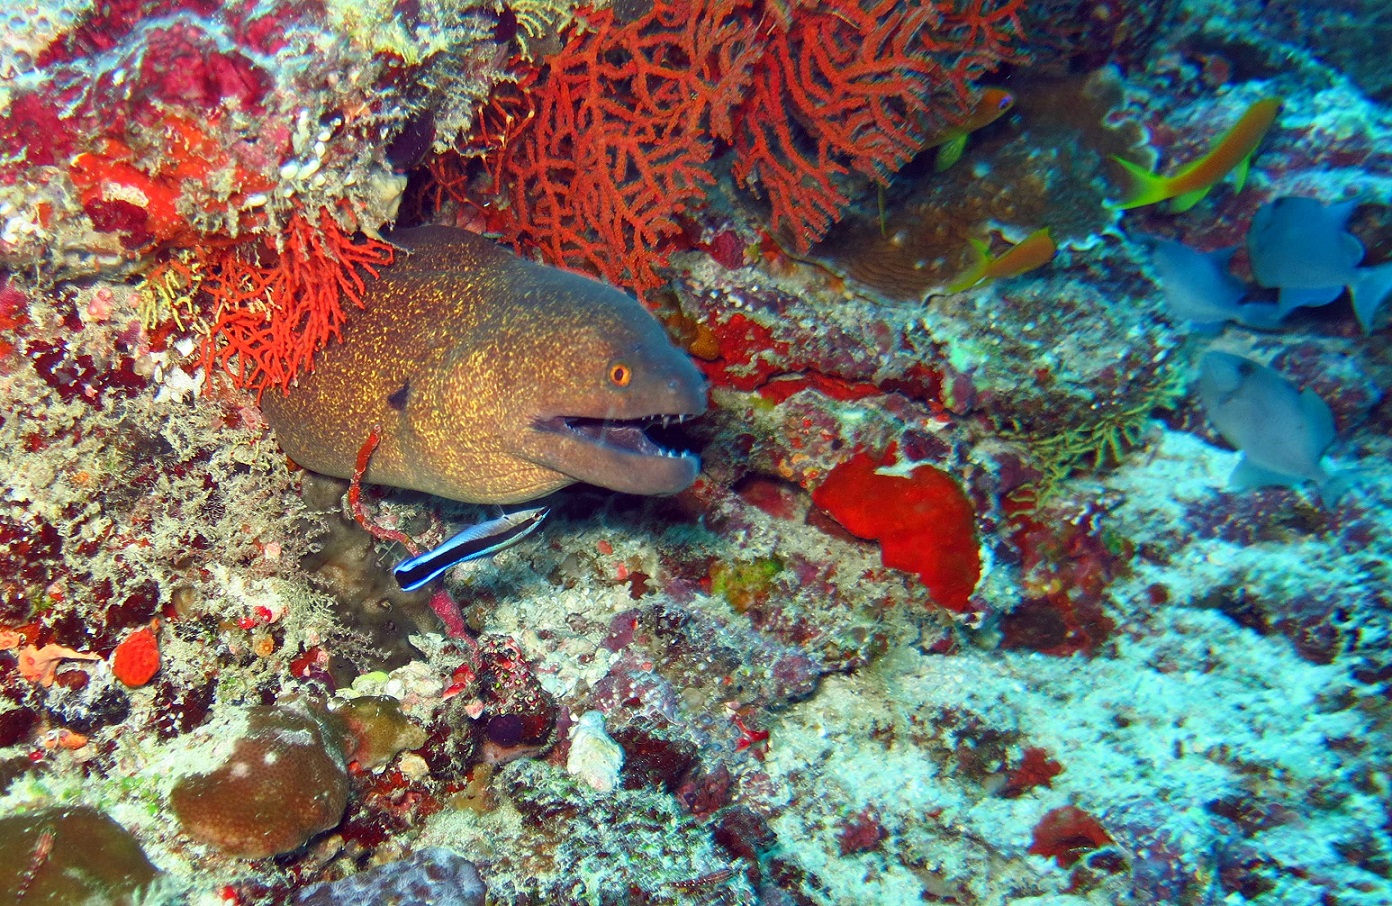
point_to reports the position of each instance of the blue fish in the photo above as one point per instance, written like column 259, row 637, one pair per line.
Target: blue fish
column 1302, row 248
column 482, row 540
column 1199, row 288
column 1280, row 431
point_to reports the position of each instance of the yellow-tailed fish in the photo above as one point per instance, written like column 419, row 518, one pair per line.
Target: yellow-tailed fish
column 991, row 105
column 1035, row 250
column 1231, row 154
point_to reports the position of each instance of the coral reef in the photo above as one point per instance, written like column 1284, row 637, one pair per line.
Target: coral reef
column 1339, row 34
column 961, row 607
column 148, row 122
column 581, row 845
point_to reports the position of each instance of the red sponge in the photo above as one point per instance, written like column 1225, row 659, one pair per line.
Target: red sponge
column 924, row 522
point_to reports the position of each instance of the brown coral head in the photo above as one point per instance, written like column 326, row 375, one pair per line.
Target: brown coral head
column 283, row 782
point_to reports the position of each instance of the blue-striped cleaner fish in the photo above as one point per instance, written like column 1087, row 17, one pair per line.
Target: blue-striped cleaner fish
column 475, row 542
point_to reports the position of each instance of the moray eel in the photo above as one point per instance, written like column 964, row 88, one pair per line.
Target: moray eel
column 494, row 380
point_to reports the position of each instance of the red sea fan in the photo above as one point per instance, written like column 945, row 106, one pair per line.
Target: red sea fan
column 603, row 154
column 269, row 319
column 858, row 87
column 600, row 154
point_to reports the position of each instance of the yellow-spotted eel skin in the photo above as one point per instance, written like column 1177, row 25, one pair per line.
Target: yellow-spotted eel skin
column 494, row 380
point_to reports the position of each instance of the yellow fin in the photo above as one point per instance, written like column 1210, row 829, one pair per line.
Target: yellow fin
column 1184, row 202
column 981, row 260
column 1147, row 187
column 949, row 152
column 1240, row 174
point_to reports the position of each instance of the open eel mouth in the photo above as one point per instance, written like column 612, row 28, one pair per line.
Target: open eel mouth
column 617, row 453
column 617, row 435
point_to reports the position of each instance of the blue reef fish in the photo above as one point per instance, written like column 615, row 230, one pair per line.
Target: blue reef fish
column 1302, row 248
column 1280, row 431
column 482, row 540
column 1199, row 288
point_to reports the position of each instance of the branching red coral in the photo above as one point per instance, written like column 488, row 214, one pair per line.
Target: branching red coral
column 611, row 146
column 863, row 84
column 600, row 155
column 269, row 319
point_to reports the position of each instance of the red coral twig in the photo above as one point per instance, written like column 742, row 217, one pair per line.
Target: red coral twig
column 355, row 504
column 270, row 319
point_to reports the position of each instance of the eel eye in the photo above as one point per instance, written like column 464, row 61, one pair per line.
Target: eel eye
column 620, row 374
column 1006, row 102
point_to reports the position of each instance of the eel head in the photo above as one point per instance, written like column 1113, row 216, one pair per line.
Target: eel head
column 574, row 380
column 600, row 434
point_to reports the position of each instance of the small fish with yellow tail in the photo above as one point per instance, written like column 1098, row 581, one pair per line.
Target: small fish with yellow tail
column 991, row 105
column 1190, row 183
column 1035, row 250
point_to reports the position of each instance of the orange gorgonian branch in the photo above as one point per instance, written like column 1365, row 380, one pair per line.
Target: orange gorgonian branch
column 273, row 309
column 596, row 158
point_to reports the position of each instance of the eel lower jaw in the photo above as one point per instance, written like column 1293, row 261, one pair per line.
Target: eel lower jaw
column 618, row 453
